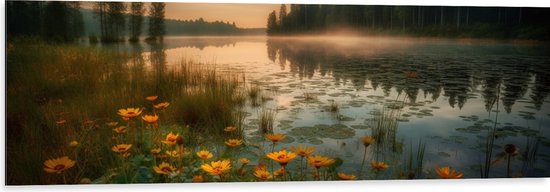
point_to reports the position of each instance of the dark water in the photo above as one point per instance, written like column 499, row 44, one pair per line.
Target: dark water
column 450, row 96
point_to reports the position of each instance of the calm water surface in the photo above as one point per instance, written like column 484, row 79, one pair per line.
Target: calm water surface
column 447, row 95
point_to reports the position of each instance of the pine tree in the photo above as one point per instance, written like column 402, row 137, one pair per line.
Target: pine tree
column 272, row 23
column 136, row 21
column 156, row 22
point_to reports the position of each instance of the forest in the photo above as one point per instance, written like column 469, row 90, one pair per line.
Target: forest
column 57, row 21
column 444, row 21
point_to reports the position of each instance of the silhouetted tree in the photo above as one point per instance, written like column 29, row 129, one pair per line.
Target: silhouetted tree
column 156, row 22
column 272, row 23
column 116, row 21
column 136, row 20
column 282, row 18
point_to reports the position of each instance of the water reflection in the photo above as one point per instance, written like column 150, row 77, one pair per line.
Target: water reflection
column 414, row 69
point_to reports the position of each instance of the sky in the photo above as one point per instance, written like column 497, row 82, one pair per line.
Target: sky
column 244, row 15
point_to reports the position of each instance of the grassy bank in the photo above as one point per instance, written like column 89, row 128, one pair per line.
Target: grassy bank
column 60, row 93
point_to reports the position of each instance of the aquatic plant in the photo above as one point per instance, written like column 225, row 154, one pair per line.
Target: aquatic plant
column 266, row 121
column 447, row 173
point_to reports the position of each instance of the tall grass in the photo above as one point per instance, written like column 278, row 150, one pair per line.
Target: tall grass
column 266, row 118
column 85, row 87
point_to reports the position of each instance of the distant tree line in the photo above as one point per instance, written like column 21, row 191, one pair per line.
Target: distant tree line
column 201, row 27
column 53, row 21
column 112, row 21
column 499, row 22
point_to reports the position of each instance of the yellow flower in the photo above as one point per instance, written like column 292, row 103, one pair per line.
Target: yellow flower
column 73, row 144
column 262, row 174
column 171, row 139
column 280, row 172
column 161, row 105
column 173, row 153
column 120, row 129
column 320, row 161
column 198, row 178
column 151, row 98
column 244, row 161
column 344, row 176
column 58, row 165
column 151, row 119
column 275, row 137
column 282, row 157
column 112, row 124
column 233, row 142
column 204, row 155
column 129, row 113
column 230, row 129
column 121, row 148
column 164, row 168
column 446, row 173
column 217, row 167
column 303, row 152
column 155, row 151
column 378, row 165
column 260, row 166
column 367, row 140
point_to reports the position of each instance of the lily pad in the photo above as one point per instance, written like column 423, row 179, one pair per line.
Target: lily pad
column 336, row 131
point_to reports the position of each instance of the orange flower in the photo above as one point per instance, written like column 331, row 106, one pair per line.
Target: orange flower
column 151, row 119
column 204, row 155
column 344, row 176
column 120, row 129
column 121, row 148
column 282, row 157
column 446, row 173
column 217, row 167
column 367, row 140
column 275, row 137
column 129, row 113
column 244, row 161
column 155, row 151
column 73, row 144
column 151, row 98
column 58, row 165
column 61, row 122
column 303, row 152
column 280, row 172
column 173, row 153
column 171, row 139
column 378, row 165
column 260, row 166
column 320, row 161
column 161, row 105
column 198, row 178
column 262, row 174
column 164, row 169
column 230, row 129
column 233, row 142
column 112, row 124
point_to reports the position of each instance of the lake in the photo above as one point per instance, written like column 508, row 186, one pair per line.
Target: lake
column 429, row 102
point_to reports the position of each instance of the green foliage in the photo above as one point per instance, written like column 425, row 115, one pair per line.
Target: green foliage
column 136, row 20
column 156, row 21
column 477, row 22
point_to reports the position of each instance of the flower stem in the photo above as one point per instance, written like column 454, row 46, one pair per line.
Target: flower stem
column 301, row 169
column 64, row 178
column 363, row 163
column 508, row 167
